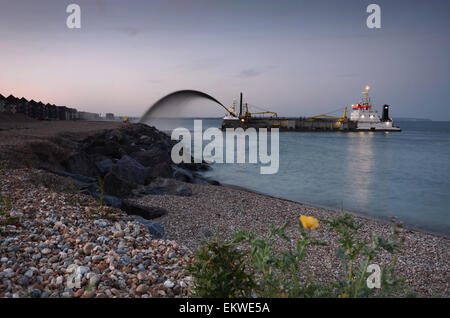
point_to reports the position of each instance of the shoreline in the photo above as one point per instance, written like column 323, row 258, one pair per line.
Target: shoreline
column 363, row 215
column 221, row 210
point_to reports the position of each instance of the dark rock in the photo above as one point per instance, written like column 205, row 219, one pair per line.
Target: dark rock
column 112, row 201
column 77, row 177
column 156, row 229
column 35, row 293
column 161, row 170
column 194, row 166
column 152, row 157
column 107, row 149
column 183, row 175
column 23, row 281
column 164, row 186
column 104, row 166
column 130, row 170
column 81, row 164
column 213, row 182
column 146, row 212
column 109, row 200
column 114, row 185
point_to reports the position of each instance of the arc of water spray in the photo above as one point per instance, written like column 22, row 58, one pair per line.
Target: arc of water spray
column 183, row 94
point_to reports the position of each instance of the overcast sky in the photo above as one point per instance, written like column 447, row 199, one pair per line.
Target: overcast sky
column 293, row 57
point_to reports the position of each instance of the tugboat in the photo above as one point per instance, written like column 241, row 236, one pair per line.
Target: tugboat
column 367, row 119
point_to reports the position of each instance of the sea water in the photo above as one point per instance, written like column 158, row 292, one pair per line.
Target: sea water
column 404, row 174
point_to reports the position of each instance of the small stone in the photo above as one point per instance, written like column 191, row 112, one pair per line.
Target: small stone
column 168, row 284
column 35, row 293
column 87, row 249
column 66, row 294
column 97, row 259
column 142, row 288
column 46, row 251
column 83, row 269
column 59, row 281
column 88, row 294
column 29, row 273
column 141, row 276
column 94, row 280
column 24, row 281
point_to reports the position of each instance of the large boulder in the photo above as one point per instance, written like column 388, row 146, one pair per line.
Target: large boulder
column 152, row 157
column 145, row 212
column 115, row 185
column 161, row 170
column 81, row 164
column 105, row 148
column 104, row 166
column 130, row 170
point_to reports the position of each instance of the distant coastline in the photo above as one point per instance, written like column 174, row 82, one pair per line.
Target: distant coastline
column 412, row 119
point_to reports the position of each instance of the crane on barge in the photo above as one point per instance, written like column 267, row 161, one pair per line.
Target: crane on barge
column 343, row 118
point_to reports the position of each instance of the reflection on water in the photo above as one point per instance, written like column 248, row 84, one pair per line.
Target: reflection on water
column 360, row 166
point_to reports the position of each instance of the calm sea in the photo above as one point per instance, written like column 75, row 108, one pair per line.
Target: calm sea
column 405, row 174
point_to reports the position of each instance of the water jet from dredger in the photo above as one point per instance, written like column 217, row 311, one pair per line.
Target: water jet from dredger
column 173, row 103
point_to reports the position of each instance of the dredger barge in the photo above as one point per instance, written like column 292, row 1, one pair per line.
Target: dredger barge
column 362, row 118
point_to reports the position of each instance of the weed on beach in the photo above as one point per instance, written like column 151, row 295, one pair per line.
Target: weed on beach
column 249, row 265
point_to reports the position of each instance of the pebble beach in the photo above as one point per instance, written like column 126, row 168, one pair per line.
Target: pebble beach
column 49, row 231
column 45, row 235
column 424, row 261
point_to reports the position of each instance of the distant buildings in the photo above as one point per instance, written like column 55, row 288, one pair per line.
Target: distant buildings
column 39, row 110
column 109, row 116
column 88, row 116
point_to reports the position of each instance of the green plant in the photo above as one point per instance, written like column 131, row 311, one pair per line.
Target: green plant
column 5, row 204
column 3, row 164
column 224, row 270
column 11, row 221
column 101, row 189
column 277, row 272
column 220, row 270
column 351, row 248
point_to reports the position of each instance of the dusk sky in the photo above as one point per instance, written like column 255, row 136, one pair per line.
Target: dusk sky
column 297, row 58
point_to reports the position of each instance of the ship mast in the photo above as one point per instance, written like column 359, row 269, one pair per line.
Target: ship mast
column 367, row 95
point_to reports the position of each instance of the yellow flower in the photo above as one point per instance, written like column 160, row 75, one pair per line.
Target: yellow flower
column 309, row 222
